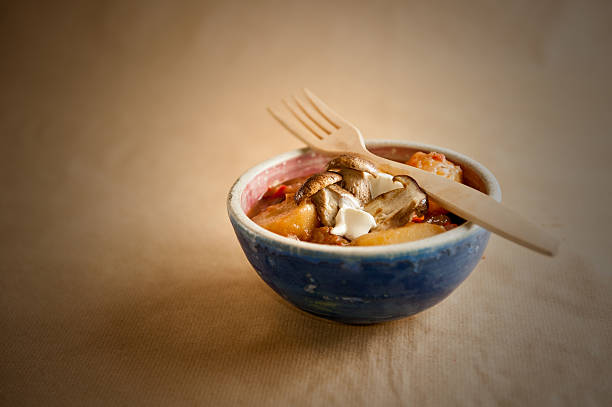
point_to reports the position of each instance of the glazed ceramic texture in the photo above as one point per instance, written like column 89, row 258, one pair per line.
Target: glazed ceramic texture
column 357, row 285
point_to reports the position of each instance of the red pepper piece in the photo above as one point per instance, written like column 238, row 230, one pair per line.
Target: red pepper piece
column 277, row 191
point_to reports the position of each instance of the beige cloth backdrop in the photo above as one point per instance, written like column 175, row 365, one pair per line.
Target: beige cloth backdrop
column 123, row 125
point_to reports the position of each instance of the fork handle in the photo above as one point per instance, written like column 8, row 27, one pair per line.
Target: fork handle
column 474, row 206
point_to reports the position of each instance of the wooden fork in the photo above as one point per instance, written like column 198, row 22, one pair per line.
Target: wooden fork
column 326, row 131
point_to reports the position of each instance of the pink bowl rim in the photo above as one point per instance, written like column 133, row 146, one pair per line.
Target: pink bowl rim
column 441, row 241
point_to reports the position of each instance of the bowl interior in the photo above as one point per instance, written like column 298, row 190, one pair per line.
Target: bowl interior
column 311, row 162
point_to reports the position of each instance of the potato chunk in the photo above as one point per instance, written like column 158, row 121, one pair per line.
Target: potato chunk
column 408, row 233
column 288, row 219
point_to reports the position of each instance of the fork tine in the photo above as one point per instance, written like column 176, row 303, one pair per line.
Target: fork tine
column 314, row 115
column 305, row 120
column 333, row 117
column 301, row 133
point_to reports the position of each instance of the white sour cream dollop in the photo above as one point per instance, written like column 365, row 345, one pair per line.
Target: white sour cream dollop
column 352, row 221
column 382, row 183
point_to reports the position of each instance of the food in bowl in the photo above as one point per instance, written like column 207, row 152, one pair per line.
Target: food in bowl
column 353, row 203
column 357, row 284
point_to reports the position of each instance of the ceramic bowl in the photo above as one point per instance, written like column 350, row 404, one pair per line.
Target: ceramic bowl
column 358, row 285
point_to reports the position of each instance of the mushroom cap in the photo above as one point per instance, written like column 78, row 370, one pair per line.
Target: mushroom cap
column 407, row 180
column 353, row 162
column 316, row 183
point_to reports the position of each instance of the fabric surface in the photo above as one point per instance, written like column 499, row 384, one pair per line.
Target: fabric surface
column 124, row 124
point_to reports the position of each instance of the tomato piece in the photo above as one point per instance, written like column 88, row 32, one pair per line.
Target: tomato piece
column 276, row 191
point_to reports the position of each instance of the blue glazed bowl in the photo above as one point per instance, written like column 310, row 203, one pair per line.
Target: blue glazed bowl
column 358, row 285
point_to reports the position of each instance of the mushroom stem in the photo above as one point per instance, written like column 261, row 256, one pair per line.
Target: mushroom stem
column 397, row 207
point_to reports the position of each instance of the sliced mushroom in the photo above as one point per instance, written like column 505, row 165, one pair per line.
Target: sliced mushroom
column 329, row 200
column 353, row 169
column 345, row 198
column 326, row 203
column 352, row 162
column 357, row 184
column 316, row 183
column 397, row 207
